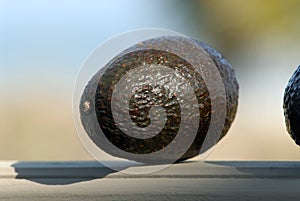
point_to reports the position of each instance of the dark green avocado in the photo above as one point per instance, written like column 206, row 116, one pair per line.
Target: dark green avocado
column 291, row 106
column 96, row 108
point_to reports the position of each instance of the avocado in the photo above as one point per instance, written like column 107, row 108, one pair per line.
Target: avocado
column 96, row 102
column 291, row 106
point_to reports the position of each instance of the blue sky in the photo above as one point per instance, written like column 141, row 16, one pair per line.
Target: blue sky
column 50, row 36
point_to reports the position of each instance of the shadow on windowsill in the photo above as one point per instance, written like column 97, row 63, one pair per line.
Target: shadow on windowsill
column 61, row 173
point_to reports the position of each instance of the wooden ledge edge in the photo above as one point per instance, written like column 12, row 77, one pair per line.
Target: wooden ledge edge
column 189, row 169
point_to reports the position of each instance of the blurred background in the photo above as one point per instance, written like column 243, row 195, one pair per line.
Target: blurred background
column 44, row 43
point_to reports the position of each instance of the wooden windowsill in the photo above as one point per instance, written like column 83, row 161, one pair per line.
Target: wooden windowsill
column 193, row 180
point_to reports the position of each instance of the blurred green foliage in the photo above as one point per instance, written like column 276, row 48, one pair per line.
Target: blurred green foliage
column 233, row 23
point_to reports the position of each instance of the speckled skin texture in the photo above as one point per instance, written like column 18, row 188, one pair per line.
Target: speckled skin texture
column 138, row 55
column 291, row 106
column 230, row 83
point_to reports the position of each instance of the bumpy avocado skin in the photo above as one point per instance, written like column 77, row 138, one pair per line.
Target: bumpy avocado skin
column 291, row 106
column 136, row 56
column 231, row 89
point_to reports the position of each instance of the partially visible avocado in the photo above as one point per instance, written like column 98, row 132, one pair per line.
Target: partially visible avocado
column 291, row 106
column 145, row 53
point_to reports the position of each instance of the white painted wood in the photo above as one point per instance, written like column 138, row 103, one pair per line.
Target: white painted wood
column 210, row 180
